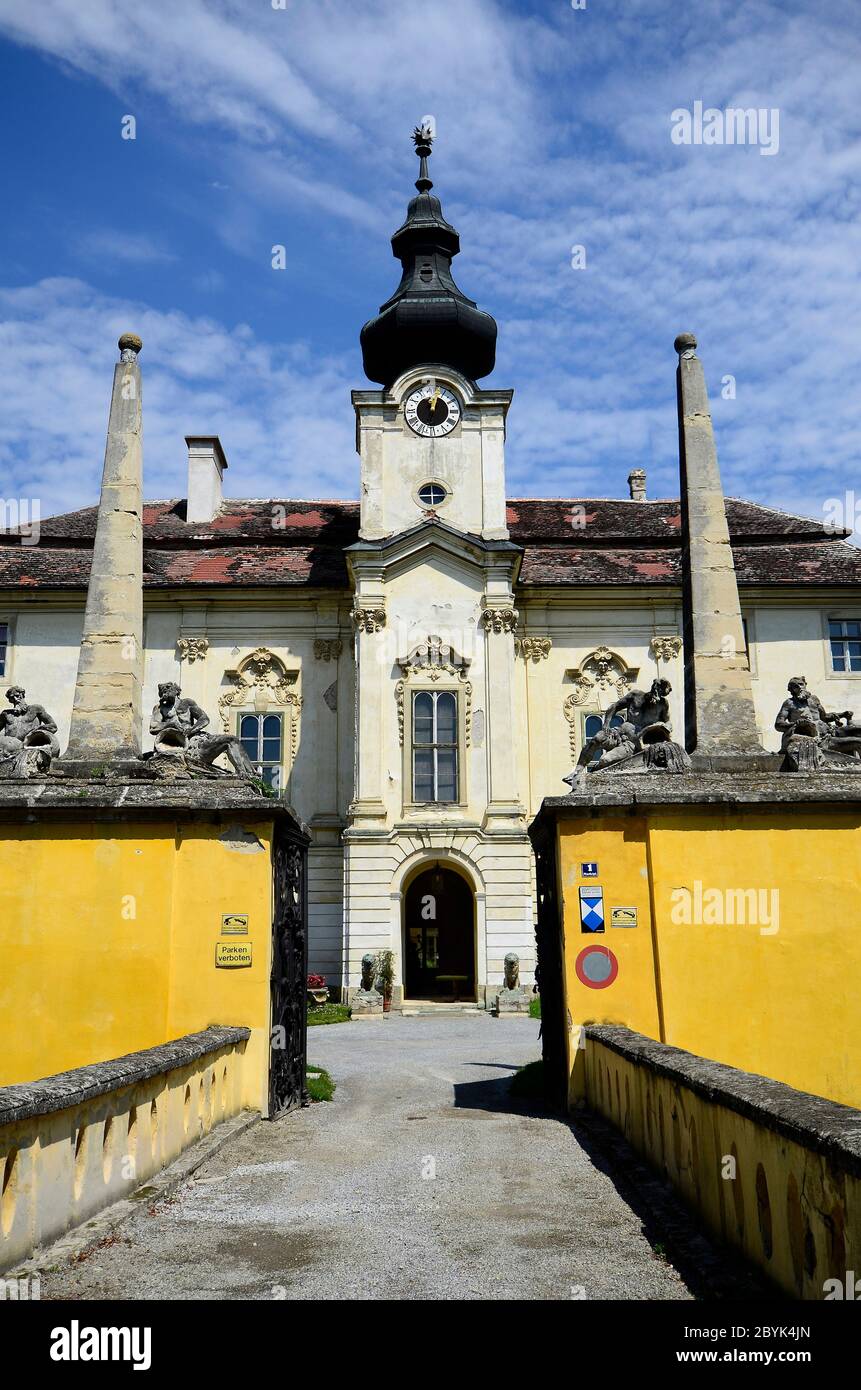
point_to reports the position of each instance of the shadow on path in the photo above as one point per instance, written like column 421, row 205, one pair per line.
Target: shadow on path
column 711, row 1271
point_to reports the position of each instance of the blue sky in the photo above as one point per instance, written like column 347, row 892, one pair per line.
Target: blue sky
column 257, row 126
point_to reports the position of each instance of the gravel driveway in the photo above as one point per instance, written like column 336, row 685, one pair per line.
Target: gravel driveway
column 419, row 1181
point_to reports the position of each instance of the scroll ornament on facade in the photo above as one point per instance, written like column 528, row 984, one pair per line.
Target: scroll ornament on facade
column 665, row 648
column 192, row 648
column 261, row 680
column 601, row 677
column 430, row 660
column 533, row 648
column 368, row 619
column 500, row 619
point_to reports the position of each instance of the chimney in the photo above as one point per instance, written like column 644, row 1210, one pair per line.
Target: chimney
column 720, row 721
column 206, row 465
column 637, row 485
column 106, row 715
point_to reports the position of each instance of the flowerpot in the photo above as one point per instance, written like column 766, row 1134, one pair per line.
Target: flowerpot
column 387, row 1003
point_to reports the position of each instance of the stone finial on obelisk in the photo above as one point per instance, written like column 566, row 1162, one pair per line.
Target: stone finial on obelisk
column 720, row 720
column 106, row 716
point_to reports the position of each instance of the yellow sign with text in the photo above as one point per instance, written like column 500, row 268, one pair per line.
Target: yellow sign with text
column 232, row 955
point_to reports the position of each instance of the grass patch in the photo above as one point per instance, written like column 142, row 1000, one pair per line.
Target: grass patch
column 535, row 1006
column 527, row 1083
column 320, row 1087
column 328, row 1013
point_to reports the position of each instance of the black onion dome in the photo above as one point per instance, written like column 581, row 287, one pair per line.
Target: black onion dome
column 428, row 319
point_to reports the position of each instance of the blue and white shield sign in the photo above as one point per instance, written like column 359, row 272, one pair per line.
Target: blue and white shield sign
column 591, row 909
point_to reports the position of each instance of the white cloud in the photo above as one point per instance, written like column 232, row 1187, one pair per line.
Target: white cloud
column 554, row 129
column 275, row 408
column 127, row 247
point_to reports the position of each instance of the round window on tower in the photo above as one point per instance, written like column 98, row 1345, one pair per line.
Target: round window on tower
column 432, row 494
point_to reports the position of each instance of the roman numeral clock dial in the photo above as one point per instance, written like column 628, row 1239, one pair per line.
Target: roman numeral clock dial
column 432, row 410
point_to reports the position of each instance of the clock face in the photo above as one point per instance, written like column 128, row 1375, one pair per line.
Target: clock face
column 432, row 410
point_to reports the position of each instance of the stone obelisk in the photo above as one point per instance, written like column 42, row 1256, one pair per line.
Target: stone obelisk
column 720, row 721
column 106, row 716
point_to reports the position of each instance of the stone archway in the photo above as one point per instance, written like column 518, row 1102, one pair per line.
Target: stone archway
column 439, row 934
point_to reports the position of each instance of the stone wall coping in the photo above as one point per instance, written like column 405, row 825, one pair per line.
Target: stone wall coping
column 70, row 1088
column 113, row 799
column 811, row 1121
column 633, row 791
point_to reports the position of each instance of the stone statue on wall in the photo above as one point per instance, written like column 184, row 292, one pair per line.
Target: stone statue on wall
column 179, row 725
column 28, row 737
column 642, row 742
column 812, row 738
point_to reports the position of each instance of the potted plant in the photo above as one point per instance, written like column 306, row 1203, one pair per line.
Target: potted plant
column 317, row 991
column 385, row 975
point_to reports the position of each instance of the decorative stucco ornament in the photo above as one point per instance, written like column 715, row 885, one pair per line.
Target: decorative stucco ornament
column 533, row 648
column 262, row 680
column 600, row 674
column 665, row 647
column 500, row 619
column 368, row 619
column 192, row 649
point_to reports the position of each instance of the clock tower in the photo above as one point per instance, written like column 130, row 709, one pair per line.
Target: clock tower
column 437, row 821
column 431, row 442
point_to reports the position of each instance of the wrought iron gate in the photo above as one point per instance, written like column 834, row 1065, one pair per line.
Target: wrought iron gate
column 549, row 973
column 289, row 971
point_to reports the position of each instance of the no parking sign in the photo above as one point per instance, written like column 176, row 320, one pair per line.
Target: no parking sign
column 596, row 967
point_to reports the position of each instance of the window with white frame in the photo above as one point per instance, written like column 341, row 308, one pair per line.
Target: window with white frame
column 845, row 638
column 262, row 737
column 4, row 647
column 435, row 764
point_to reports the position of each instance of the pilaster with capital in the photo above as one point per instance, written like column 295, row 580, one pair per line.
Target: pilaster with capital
column 368, row 616
column 499, row 621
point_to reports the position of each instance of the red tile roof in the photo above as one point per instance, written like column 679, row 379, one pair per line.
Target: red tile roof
column 566, row 542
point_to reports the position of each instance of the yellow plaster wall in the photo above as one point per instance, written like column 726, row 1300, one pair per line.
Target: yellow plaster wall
column 781, row 1003
column 793, row 1211
column 108, row 938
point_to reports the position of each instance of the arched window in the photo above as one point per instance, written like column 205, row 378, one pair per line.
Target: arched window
column 435, row 770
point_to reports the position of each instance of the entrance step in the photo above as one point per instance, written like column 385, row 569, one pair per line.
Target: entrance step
column 416, row 1008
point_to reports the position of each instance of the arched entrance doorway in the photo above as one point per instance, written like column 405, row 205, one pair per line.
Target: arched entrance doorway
column 439, row 936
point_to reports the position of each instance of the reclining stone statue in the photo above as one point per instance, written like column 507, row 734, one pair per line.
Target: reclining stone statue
column 641, row 742
column 28, row 737
column 812, row 738
column 178, row 726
